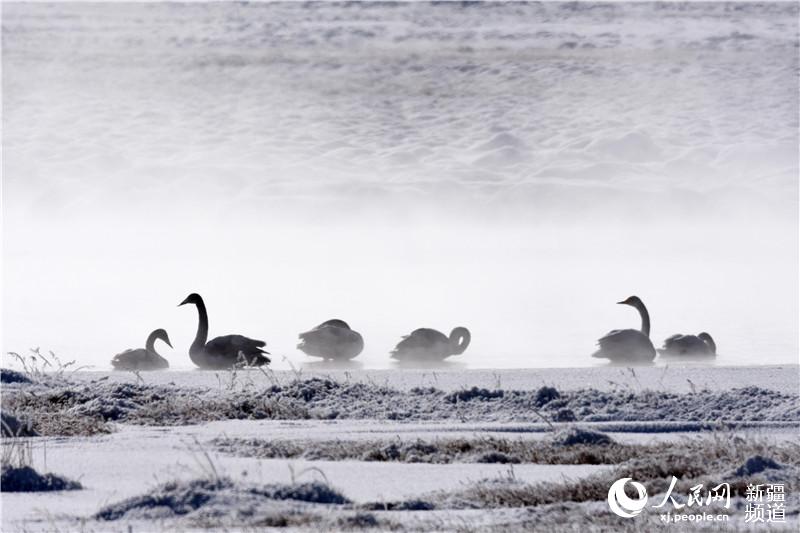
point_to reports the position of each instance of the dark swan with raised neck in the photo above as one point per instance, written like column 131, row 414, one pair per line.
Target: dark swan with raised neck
column 222, row 352
column 628, row 345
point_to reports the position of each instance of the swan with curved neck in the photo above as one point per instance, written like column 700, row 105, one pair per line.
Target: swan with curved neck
column 701, row 345
column 332, row 340
column 706, row 338
column 222, row 352
column 143, row 359
column 628, row 345
column 638, row 304
column 427, row 344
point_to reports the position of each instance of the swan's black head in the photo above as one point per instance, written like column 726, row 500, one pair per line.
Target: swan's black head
column 631, row 300
column 162, row 334
column 193, row 298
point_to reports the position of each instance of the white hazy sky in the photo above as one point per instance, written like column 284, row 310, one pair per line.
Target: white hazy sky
column 514, row 169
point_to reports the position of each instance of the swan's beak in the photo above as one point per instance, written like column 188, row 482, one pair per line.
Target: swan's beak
column 185, row 301
column 168, row 343
column 623, row 303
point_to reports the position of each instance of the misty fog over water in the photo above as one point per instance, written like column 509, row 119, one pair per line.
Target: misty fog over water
column 516, row 169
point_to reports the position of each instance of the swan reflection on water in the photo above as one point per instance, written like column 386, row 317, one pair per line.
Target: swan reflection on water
column 431, row 365
column 333, row 364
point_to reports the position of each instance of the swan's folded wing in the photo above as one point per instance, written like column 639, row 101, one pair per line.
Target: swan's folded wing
column 125, row 353
column 626, row 343
column 612, row 337
column 623, row 339
column 332, row 342
column 412, row 342
column 231, row 345
column 422, row 342
column 407, row 344
column 128, row 359
column 429, row 336
column 235, row 341
column 670, row 343
column 686, row 344
column 315, row 341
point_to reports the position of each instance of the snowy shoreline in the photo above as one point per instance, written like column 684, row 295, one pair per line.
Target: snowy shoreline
column 387, row 450
column 677, row 378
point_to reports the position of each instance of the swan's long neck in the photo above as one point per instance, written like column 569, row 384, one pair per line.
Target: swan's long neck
column 645, row 318
column 709, row 342
column 459, row 340
column 150, row 345
column 202, row 329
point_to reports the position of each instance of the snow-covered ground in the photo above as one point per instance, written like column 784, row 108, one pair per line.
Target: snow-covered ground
column 640, row 410
column 451, row 376
column 135, row 459
column 515, row 168
column 126, row 463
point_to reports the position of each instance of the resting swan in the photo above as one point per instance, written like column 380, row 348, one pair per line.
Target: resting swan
column 628, row 345
column 222, row 352
column 430, row 345
column 332, row 339
column 143, row 358
column 701, row 345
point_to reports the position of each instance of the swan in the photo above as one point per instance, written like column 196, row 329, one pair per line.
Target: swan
column 143, row 358
column 689, row 345
column 628, row 345
column 426, row 344
column 222, row 352
column 332, row 339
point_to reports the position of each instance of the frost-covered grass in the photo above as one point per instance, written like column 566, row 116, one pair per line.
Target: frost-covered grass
column 181, row 498
column 569, row 446
column 16, row 471
column 65, row 407
column 13, row 376
column 38, row 365
column 710, row 461
column 220, row 502
column 41, row 372
column 62, row 405
column 440, row 450
column 27, row 479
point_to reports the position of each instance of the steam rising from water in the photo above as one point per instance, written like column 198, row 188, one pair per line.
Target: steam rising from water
column 515, row 169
